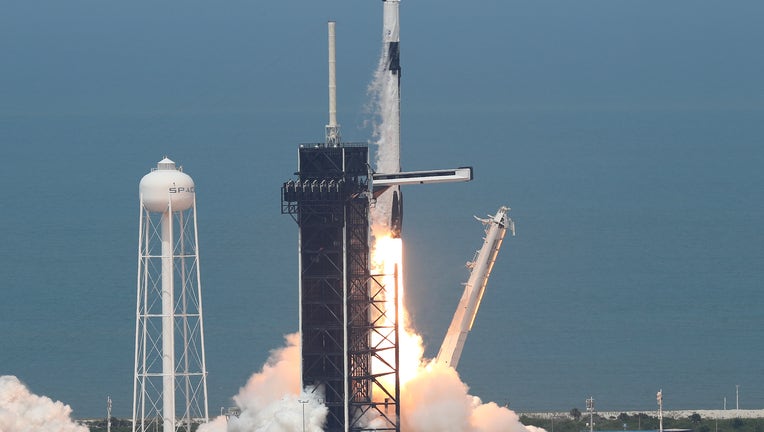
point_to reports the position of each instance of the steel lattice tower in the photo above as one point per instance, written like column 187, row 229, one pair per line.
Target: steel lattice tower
column 342, row 310
column 170, row 379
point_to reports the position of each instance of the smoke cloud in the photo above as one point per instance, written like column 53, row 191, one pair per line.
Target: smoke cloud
column 271, row 400
column 23, row 411
column 436, row 400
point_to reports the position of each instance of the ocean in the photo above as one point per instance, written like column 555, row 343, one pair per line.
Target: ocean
column 636, row 265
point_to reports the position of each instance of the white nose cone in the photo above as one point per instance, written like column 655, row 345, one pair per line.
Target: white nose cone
column 166, row 188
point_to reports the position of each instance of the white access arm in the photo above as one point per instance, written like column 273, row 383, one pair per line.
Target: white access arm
column 481, row 266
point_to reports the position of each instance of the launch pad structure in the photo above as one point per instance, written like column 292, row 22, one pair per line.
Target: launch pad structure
column 343, row 322
column 349, row 333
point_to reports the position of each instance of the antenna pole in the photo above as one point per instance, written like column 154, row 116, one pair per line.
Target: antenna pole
column 332, row 129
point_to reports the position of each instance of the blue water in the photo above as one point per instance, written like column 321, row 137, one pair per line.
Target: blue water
column 636, row 265
column 631, row 160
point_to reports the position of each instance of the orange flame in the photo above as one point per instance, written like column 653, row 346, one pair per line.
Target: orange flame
column 387, row 253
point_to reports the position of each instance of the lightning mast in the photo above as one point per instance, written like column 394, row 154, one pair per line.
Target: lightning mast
column 344, row 328
column 481, row 265
column 170, row 366
column 332, row 129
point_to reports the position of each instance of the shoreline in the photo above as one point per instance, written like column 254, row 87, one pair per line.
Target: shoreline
column 674, row 414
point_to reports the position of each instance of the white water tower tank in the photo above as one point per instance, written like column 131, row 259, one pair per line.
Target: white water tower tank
column 166, row 185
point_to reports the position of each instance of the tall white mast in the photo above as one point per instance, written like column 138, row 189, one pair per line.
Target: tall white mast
column 332, row 129
column 168, row 306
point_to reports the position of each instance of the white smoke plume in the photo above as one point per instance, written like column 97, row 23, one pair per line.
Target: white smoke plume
column 23, row 411
column 436, row 400
column 271, row 400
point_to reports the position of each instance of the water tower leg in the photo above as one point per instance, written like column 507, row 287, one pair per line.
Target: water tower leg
column 168, row 325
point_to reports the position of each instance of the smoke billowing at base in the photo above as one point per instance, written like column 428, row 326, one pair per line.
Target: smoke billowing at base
column 433, row 400
column 23, row 411
column 271, row 400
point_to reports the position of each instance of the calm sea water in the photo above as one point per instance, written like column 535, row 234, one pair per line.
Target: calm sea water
column 637, row 263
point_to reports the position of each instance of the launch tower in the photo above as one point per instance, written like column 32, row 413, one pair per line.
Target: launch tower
column 344, row 324
column 170, row 367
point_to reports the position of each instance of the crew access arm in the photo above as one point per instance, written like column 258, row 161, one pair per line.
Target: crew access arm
column 481, row 266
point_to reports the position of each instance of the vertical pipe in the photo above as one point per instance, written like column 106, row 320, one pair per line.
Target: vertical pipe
column 185, row 373
column 138, row 311
column 345, row 321
column 397, row 347
column 332, row 77
column 145, row 313
column 168, row 328
column 144, row 319
column 332, row 129
column 201, row 315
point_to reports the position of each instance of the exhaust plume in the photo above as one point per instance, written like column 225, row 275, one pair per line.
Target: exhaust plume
column 271, row 400
column 436, row 400
column 23, row 411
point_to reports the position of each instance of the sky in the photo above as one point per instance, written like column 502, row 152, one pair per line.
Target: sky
column 624, row 134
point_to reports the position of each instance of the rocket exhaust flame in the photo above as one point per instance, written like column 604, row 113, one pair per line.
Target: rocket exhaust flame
column 433, row 398
column 387, row 260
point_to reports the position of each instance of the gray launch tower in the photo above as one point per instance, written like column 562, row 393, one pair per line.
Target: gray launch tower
column 345, row 328
column 341, row 305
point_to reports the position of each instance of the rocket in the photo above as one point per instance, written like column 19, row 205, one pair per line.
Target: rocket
column 392, row 73
column 388, row 177
column 391, row 38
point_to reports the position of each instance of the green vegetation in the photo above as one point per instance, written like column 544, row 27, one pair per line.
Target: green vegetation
column 574, row 422
column 579, row 423
column 120, row 425
column 117, row 425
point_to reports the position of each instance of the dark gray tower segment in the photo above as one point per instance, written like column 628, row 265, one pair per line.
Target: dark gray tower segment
column 340, row 304
column 344, row 326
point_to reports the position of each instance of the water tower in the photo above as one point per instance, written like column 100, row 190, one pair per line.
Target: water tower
column 170, row 385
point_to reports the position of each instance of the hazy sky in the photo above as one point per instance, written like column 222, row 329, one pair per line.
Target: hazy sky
column 140, row 56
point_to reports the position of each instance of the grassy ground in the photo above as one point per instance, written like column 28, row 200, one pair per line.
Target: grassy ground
column 644, row 422
column 622, row 422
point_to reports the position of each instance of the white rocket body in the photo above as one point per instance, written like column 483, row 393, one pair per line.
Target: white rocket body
column 391, row 66
column 461, row 324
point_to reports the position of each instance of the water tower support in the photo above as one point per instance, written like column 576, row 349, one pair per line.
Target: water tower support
column 170, row 365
